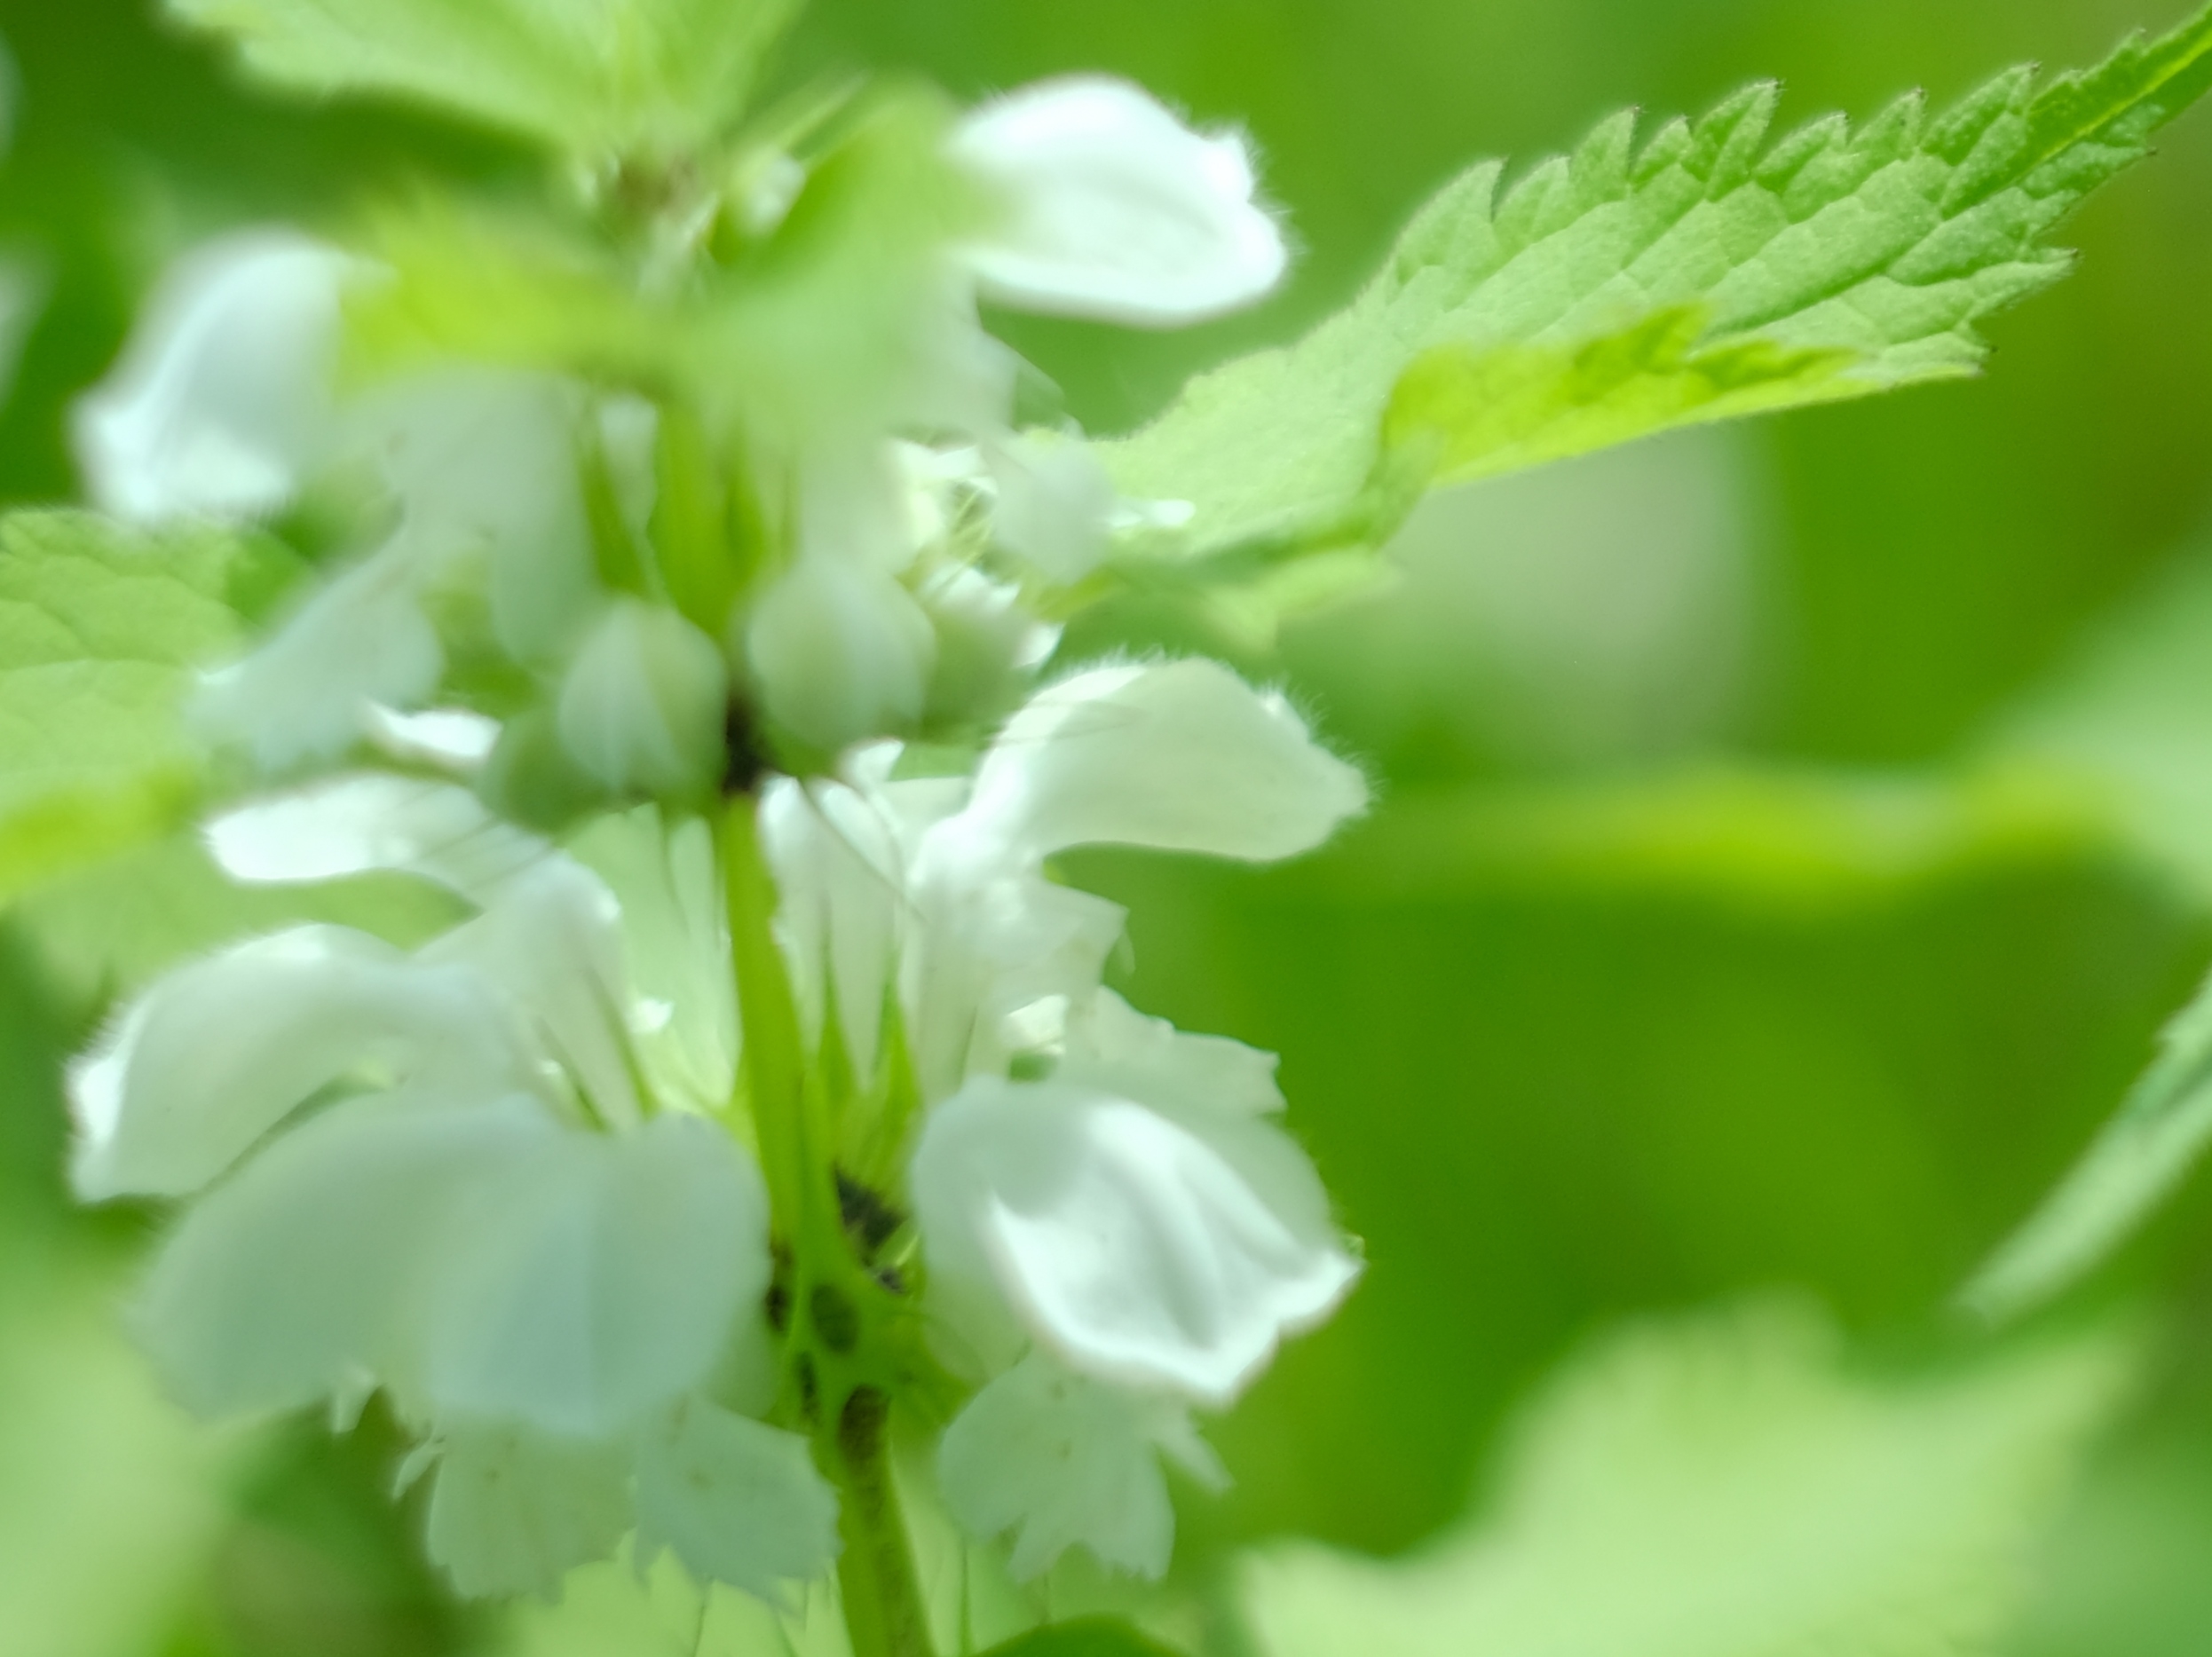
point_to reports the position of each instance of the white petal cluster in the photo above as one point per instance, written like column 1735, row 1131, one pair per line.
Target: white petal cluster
column 449, row 1175
column 503, row 1178
column 1132, row 1236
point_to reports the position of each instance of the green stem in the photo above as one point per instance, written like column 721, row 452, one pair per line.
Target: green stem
column 884, row 1615
column 883, row 1606
column 768, row 1015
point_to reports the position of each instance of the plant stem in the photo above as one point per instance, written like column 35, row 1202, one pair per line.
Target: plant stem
column 884, row 1615
column 766, row 1013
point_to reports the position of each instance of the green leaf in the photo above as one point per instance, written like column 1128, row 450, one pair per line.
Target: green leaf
column 101, row 632
column 631, row 78
column 1703, row 274
column 2129, row 723
column 1725, row 1488
column 2138, row 1159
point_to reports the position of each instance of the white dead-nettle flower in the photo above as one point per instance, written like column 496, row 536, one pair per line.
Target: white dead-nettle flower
column 1114, row 209
column 482, row 468
column 451, row 1175
column 222, row 401
column 1135, row 1224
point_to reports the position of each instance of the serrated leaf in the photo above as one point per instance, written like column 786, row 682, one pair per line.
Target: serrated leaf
column 101, row 632
column 643, row 78
column 1725, row 1488
column 1625, row 289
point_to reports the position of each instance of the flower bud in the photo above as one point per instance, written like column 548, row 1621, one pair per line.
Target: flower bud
column 643, row 704
column 989, row 648
column 1055, row 503
column 841, row 653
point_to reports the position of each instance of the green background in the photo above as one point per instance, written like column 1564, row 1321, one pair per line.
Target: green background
column 1659, row 974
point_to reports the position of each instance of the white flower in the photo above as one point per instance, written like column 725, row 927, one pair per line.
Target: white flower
column 446, row 1175
column 222, row 399
column 219, row 1052
column 938, row 887
column 1164, row 1249
column 482, row 468
column 1136, row 1224
column 1150, row 1237
column 1113, row 208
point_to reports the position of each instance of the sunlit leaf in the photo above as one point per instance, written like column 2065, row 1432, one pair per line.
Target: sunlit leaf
column 101, row 632
column 1703, row 272
column 1727, row 1488
column 649, row 78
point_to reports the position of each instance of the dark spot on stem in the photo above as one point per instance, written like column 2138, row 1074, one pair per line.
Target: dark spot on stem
column 860, row 1426
column 869, row 1219
column 835, row 1318
column 745, row 749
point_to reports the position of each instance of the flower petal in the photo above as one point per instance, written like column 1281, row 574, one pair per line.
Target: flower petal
column 1112, row 1047
column 1066, row 1462
column 367, row 821
column 484, row 463
column 600, row 1279
column 550, row 935
column 1135, row 1249
column 983, row 953
column 218, row 1053
column 1180, row 756
column 684, row 1022
column 311, row 1264
column 512, row 1511
column 307, row 692
column 223, row 398
column 451, row 738
column 736, row 1500
column 839, row 879
column 1114, row 209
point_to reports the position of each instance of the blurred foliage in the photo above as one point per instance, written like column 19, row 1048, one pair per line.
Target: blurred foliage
column 1750, row 900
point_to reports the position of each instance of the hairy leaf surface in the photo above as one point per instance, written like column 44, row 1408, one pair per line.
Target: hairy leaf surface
column 1705, row 272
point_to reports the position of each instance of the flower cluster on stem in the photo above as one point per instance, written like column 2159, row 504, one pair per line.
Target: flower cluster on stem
column 763, row 1099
